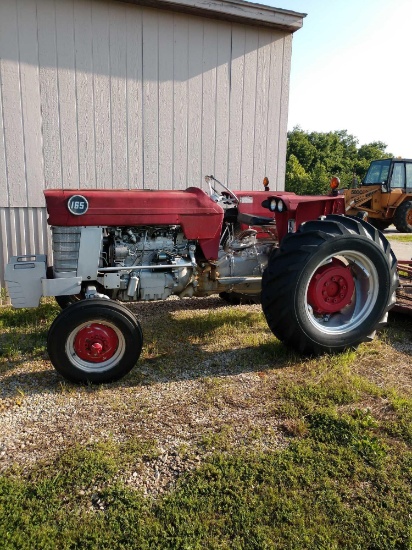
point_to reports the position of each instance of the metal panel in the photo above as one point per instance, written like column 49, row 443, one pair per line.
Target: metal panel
column 22, row 231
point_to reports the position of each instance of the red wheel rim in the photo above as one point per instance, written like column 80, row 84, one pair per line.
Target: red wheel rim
column 331, row 288
column 96, row 343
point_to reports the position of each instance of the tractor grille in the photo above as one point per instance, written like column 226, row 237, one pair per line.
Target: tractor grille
column 66, row 244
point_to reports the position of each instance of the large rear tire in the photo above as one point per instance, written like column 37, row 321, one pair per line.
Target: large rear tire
column 329, row 286
column 94, row 341
column 403, row 217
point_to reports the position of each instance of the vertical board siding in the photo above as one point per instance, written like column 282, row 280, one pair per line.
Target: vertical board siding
column 274, row 138
column 209, row 71
column 180, row 100
column 166, row 113
column 195, row 102
column 68, row 105
column 236, row 106
column 261, row 108
column 12, row 106
column 30, row 100
column 284, row 104
column 249, row 108
column 118, row 57
column 49, row 96
column 84, row 92
column 222, row 106
column 150, row 110
column 102, row 94
column 134, row 68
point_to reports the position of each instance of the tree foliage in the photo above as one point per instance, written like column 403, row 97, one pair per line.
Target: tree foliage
column 313, row 158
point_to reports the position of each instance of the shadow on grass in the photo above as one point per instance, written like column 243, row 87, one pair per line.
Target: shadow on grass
column 186, row 339
column 181, row 343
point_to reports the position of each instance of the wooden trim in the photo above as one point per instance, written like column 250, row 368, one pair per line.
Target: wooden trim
column 231, row 10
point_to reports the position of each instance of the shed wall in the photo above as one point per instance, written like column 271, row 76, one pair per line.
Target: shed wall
column 101, row 94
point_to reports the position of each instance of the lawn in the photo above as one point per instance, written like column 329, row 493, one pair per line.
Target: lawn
column 219, row 438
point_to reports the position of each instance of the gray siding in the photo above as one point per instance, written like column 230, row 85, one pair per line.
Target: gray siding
column 101, row 94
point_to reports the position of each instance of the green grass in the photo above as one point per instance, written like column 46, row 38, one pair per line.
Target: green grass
column 400, row 238
column 23, row 331
column 340, row 480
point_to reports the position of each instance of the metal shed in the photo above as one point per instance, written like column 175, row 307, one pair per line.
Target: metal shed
column 141, row 94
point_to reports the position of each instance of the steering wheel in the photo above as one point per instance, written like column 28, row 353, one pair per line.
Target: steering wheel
column 223, row 196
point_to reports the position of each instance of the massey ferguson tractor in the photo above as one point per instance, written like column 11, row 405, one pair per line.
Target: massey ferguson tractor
column 325, row 281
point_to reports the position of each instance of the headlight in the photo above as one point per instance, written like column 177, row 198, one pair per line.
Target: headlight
column 281, row 206
column 273, row 205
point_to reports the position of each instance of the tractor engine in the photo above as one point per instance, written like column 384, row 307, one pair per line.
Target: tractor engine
column 152, row 263
column 164, row 248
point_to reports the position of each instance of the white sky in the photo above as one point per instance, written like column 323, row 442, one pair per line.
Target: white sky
column 352, row 69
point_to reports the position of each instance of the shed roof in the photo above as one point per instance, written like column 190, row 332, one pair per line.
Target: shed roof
column 231, row 10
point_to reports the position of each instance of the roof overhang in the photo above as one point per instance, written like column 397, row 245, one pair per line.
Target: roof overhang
column 231, row 10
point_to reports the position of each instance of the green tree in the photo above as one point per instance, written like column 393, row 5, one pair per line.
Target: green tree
column 314, row 157
column 298, row 179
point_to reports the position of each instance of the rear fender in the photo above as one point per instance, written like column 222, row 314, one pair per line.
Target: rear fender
column 303, row 208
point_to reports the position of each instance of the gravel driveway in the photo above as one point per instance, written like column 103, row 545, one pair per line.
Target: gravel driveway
column 41, row 414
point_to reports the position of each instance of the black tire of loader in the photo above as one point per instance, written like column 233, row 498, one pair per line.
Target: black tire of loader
column 380, row 224
column 403, row 217
column 104, row 312
column 292, row 266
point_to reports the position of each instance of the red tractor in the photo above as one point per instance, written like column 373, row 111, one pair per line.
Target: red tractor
column 326, row 281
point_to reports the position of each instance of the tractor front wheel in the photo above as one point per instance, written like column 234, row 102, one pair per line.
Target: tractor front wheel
column 403, row 217
column 329, row 286
column 94, row 341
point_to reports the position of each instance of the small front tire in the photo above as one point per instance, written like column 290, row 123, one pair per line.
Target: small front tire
column 94, row 341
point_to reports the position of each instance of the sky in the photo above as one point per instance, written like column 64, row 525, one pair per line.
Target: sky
column 352, row 70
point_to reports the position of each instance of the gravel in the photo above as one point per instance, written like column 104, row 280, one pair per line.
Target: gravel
column 42, row 415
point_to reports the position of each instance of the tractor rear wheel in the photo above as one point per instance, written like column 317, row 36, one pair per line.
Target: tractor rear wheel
column 403, row 217
column 329, row 286
column 94, row 341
